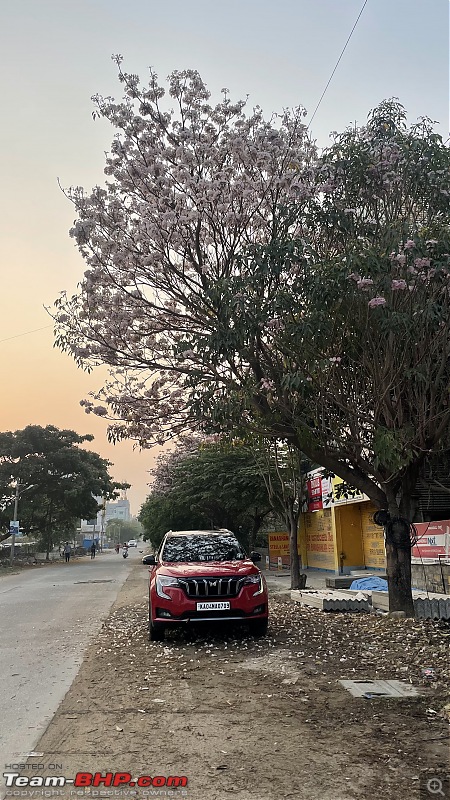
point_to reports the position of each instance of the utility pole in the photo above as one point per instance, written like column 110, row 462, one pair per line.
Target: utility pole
column 13, row 537
column 102, row 530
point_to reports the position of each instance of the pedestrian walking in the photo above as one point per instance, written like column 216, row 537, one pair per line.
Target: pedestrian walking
column 93, row 550
column 117, row 548
column 67, row 552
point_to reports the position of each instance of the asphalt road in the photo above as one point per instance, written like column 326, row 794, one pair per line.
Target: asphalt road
column 48, row 615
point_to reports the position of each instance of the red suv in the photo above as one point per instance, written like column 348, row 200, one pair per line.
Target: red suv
column 205, row 576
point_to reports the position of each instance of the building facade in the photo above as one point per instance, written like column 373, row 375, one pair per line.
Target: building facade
column 336, row 531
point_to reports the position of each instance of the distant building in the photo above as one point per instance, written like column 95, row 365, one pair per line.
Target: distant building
column 119, row 509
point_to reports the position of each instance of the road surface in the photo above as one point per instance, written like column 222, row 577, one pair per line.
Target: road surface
column 48, row 615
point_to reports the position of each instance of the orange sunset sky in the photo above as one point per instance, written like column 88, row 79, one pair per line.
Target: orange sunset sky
column 56, row 54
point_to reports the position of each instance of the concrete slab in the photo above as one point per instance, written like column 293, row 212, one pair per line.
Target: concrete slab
column 345, row 581
column 426, row 606
column 380, row 600
column 331, row 600
column 339, row 581
column 374, row 689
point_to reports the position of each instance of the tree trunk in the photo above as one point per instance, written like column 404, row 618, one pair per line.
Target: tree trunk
column 295, row 562
column 398, row 560
column 256, row 524
column 398, row 563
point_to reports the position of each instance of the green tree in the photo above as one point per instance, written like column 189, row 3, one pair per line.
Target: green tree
column 60, row 478
column 341, row 335
column 282, row 467
column 121, row 531
column 163, row 512
column 214, row 485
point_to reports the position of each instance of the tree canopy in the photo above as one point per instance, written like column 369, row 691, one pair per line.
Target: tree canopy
column 238, row 280
column 187, row 191
column 205, row 486
column 57, row 481
column 121, row 531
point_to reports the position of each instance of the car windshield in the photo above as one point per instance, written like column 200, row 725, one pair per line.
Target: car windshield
column 202, row 548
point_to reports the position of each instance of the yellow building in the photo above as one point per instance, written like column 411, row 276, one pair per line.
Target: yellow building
column 339, row 534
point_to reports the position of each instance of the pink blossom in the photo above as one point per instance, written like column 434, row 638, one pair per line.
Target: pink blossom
column 398, row 285
column 266, row 383
column 421, row 262
column 377, row 301
column 100, row 411
column 400, row 258
column 410, row 244
column 364, row 284
column 354, row 276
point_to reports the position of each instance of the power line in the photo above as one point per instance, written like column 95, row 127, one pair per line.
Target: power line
column 27, row 333
column 338, row 62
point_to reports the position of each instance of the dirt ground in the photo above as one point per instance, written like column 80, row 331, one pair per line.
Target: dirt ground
column 256, row 719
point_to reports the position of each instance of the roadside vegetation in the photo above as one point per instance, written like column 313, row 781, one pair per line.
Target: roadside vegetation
column 56, row 482
column 120, row 531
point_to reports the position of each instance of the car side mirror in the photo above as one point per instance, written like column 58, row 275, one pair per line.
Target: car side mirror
column 255, row 556
column 149, row 561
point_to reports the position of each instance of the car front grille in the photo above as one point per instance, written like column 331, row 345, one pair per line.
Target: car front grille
column 211, row 587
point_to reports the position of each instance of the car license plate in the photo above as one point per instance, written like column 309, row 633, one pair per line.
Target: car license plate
column 214, row 605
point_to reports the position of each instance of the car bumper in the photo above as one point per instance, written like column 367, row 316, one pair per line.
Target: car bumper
column 209, row 616
column 179, row 610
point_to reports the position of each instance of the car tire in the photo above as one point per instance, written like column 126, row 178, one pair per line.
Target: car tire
column 156, row 631
column 259, row 627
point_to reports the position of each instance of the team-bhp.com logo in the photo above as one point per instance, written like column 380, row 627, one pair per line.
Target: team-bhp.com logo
column 96, row 779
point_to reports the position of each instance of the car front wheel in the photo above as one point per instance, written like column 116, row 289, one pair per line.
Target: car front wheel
column 259, row 627
column 155, row 629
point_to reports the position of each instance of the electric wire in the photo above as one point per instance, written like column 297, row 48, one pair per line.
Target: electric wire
column 26, row 333
column 338, row 62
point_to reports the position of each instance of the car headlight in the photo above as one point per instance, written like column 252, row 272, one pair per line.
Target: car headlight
column 258, row 581
column 161, row 582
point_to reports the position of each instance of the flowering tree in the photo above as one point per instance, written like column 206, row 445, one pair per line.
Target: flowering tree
column 187, row 191
column 232, row 282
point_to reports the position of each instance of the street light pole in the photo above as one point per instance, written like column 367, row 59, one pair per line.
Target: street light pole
column 13, row 538
column 102, row 529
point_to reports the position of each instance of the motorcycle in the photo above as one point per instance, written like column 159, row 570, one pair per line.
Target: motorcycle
column 125, row 554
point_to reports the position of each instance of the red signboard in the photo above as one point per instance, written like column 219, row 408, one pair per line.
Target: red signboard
column 433, row 539
column 314, row 488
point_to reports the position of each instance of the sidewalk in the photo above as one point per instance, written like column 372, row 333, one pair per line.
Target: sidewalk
column 280, row 582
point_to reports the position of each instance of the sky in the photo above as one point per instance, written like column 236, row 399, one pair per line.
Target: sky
column 55, row 54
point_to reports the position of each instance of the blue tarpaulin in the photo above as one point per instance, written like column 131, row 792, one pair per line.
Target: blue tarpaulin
column 377, row 584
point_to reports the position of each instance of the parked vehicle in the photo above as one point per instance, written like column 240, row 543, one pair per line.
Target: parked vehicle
column 205, row 576
column 132, row 543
